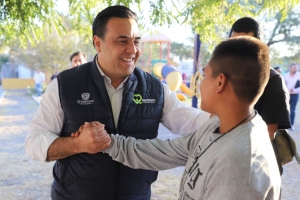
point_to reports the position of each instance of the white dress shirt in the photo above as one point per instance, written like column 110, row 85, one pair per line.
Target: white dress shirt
column 39, row 77
column 47, row 123
column 291, row 82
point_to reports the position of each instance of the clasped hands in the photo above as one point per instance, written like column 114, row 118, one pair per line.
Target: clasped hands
column 92, row 137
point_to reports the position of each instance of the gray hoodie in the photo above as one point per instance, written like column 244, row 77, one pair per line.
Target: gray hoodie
column 240, row 165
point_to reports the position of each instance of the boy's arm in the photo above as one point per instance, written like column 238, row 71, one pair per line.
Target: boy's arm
column 153, row 154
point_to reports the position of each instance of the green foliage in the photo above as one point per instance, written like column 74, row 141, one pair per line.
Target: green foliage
column 212, row 19
column 82, row 14
column 161, row 14
column 27, row 19
column 3, row 59
column 52, row 54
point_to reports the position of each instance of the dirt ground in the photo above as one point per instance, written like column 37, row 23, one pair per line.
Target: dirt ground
column 24, row 179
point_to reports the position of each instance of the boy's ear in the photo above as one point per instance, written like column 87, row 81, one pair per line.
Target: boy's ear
column 221, row 82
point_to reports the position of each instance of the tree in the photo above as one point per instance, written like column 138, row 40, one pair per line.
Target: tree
column 50, row 55
column 285, row 31
column 182, row 51
column 53, row 53
column 283, row 38
column 28, row 18
column 3, row 59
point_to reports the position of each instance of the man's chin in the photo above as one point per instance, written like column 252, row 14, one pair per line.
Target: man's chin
column 130, row 70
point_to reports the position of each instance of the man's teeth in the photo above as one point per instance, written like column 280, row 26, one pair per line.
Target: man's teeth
column 127, row 59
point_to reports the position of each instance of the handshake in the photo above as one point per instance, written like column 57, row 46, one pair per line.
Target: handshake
column 91, row 138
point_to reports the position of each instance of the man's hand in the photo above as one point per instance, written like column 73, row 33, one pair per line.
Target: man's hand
column 92, row 137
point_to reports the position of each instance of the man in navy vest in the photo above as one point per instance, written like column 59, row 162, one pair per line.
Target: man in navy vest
column 111, row 90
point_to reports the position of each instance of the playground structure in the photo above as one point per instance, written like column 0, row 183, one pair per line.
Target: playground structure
column 174, row 79
column 168, row 73
column 156, row 38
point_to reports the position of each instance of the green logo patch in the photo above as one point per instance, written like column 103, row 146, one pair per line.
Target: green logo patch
column 137, row 98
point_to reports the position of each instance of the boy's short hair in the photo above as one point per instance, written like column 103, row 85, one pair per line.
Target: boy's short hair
column 245, row 62
column 247, row 25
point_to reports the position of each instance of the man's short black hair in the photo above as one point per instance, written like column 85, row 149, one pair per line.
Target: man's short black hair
column 245, row 62
column 277, row 67
column 101, row 20
column 76, row 54
column 247, row 25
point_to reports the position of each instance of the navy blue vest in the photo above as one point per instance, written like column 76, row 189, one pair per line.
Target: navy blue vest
column 83, row 97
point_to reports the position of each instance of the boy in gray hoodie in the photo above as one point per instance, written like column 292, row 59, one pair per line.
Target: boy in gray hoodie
column 230, row 156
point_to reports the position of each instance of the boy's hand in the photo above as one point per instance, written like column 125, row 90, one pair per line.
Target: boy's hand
column 77, row 133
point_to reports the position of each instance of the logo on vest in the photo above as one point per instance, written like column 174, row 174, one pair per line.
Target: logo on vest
column 138, row 99
column 85, row 101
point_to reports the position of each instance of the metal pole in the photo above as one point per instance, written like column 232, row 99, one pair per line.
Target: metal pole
column 197, row 46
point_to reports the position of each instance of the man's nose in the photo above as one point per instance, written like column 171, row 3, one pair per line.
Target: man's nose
column 131, row 47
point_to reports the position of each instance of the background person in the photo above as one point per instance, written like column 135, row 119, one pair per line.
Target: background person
column 54, row 75
column 77, row 58
column 292, row 80
column 230, row 156
column 39, row 77
column 278, row 69
column 113, row 91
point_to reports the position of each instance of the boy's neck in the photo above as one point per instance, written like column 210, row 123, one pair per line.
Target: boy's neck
column 234, row 117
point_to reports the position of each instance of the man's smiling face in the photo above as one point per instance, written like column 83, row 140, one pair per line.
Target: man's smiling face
column 119, row 51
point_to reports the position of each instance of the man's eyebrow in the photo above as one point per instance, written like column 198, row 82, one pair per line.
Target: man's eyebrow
column 127, row 37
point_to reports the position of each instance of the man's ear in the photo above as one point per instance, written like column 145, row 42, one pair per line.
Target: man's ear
column 97, row 42
column 221, row 82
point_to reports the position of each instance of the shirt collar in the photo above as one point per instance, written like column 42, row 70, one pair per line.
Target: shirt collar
column 106, row 77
